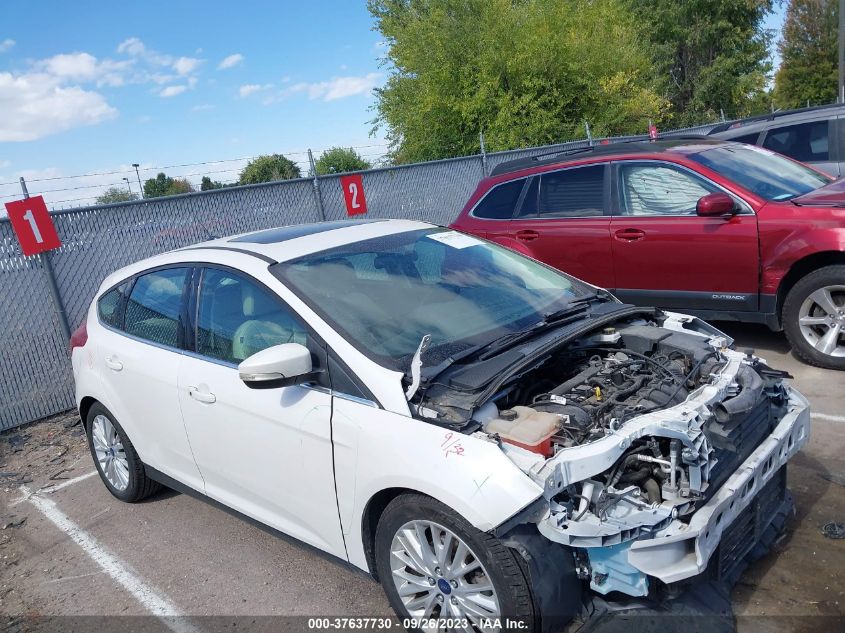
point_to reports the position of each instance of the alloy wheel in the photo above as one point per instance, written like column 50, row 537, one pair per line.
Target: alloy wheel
column 437, row 575
column 110, row 453
column 821, row 320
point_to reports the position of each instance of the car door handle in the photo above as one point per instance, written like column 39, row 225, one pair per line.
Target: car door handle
column 527, row 235
column 202, row 396
column 113, row 364
column 629, row 235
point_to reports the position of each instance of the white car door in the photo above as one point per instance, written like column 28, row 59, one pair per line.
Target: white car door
column 138, row 357
column 264, row 452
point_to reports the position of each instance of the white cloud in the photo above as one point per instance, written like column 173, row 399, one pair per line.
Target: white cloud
column 250, row 89
column 34, row 105
column 85, row 67
column 337, row 87
column 6, row 45
column 132, row 46
column 230, row 61
column 172, row 91
column 202, row 107
column 186, row 65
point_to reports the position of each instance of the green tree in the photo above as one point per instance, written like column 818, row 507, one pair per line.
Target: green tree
column 269, row 168
column 164, row 185
column 338, row 160
column 525, row 72
column 208, row 184
column 158, row 186
column 809, row 66
column 116, row 194
column 710, row 54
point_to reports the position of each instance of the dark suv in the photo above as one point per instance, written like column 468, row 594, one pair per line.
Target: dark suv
column 718, row 229
column 815, row 136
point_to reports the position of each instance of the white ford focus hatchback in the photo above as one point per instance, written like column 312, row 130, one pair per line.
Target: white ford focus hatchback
column 486, row 436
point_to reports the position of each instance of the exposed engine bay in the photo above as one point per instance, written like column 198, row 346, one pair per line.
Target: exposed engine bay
column 630, row 429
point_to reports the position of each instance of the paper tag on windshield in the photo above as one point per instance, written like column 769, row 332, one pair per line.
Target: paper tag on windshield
column 454, row 239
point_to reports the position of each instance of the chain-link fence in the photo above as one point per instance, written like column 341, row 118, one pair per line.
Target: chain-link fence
column 34, row 359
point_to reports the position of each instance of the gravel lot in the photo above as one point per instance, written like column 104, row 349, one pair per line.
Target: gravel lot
column 174, row 555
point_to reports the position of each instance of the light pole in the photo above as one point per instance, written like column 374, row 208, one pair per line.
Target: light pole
column 126, row 180
column 136, row 165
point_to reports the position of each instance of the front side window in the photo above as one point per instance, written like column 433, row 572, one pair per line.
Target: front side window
column 110, row 306
column 653, row 189
column 805, row 142
column 500, row 201
column 237, row 318
column 761, row 172
column 384, row 294
column 572, row 193
column 155, row 304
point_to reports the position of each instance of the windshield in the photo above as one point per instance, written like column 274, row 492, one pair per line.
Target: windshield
column 769, row 175
column 385, row 294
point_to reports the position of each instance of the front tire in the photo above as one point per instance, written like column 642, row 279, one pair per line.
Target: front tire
column 120, row 468
column 814, row 317
column 432, row 563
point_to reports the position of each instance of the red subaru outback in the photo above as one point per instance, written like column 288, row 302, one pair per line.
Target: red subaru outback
column 718, row 229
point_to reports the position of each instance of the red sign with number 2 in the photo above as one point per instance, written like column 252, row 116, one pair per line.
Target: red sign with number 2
column 353, row 194
column 33, row 225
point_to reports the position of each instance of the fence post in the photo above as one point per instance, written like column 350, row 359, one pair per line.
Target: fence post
column 47, row 266
column 484, row 169
column 317, row 197
column 589, row 133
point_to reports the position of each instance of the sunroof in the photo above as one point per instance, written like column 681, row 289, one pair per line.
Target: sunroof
column 285, row 233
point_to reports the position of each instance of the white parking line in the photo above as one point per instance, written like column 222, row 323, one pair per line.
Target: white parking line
column 153, row 602
column 828, row 418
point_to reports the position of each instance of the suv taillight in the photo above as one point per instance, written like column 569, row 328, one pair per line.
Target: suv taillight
column 79, row 338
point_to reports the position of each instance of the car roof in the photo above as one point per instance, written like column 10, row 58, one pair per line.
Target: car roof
column 780, row 117
column 679, row 144
column 290, row 242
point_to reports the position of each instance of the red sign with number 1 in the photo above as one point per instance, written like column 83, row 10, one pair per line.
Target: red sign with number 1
column 353, row 194
column 33, row 225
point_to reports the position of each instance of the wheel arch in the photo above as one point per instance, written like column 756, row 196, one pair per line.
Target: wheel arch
column 800, row 269
column 373, row 510
column 84, row 407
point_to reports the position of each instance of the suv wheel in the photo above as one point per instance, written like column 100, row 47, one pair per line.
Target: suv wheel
column 120, row 468
column 814, row 317
column 433, row 564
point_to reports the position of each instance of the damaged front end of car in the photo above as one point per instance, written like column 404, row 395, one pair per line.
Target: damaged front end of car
column 660, row 450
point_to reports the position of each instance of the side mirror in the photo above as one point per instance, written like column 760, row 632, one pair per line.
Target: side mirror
column 277, row 366
column 716, row 204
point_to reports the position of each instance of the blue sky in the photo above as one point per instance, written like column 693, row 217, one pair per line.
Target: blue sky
column 88, row 87
column 91, row 87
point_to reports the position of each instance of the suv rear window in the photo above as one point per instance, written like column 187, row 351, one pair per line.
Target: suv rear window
column 805, row 141
column 500, row 201
column 572, row 193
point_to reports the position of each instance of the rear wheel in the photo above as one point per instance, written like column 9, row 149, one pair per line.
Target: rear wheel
column 814, row 317
column 433, row 564
column 120, row 468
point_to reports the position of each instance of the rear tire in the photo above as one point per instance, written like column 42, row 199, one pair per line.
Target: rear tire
column 440, row 579
column 814, row 317
column 117, row 462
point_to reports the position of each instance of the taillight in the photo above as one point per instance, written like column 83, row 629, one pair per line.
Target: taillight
column 80, row 337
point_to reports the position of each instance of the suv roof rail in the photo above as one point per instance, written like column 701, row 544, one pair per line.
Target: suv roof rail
column 771, row 116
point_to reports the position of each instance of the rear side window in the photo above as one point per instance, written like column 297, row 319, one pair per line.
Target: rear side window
column 500, row 201
column 805, row 142
column 110, row 306
column 750, row 139
column 238, row 318
column 154, row 306
column 572, row 193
